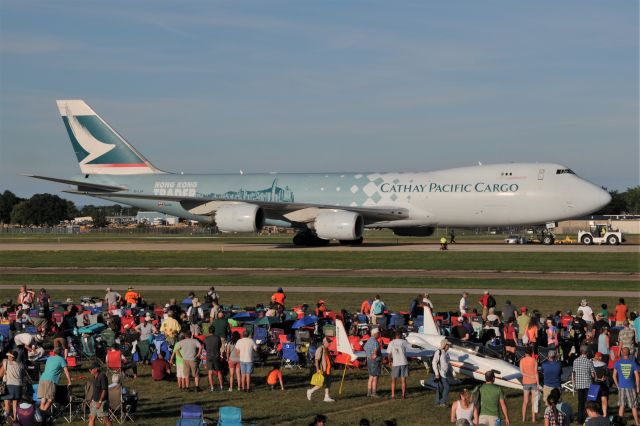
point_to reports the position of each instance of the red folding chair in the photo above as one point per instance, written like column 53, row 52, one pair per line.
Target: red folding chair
column 114, row 361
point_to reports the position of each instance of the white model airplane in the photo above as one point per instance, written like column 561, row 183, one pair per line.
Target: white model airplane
column 324, row 206
column 467, row 358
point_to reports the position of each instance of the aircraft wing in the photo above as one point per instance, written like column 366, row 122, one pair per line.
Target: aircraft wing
column 83, row 187
column 292, row 212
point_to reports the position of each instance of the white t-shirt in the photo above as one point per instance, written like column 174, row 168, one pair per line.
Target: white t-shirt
column 587, row 313
column 463, row 306
column 397, row 349
column 246, row 346
column 25, row 339
column 441, row 357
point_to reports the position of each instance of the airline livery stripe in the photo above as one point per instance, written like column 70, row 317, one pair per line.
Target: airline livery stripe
column 120, row 165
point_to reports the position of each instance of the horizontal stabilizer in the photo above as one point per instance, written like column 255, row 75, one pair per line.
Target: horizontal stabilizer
column 82, row 186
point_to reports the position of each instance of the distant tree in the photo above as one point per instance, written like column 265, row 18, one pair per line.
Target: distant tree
column 42, row 209
column 99, row 218
column 7, row 201
column 618, row 204
column 632, row 199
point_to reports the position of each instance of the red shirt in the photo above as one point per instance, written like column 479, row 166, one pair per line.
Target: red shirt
column 159, row 369
column 621, row 312
column 484, row 300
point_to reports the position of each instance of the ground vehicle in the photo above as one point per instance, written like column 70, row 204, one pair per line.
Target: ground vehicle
column 600, row 234
column 517, row 239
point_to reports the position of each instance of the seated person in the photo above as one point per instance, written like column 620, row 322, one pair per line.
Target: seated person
column 460, row 331
column 160, row 368
column 125, row 364
column 275, row 376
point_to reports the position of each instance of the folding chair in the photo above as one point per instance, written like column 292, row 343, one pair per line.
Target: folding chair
column 63, row 404
column 121, row 407
column 290, row 358
column 230, row 416
column 114, row 361
column 191, row 415
column 108, row 336
column 260, row 335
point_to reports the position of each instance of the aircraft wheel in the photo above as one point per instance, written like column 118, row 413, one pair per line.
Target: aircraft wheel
column 612, row 240
column 547, row 240
column 587, row 240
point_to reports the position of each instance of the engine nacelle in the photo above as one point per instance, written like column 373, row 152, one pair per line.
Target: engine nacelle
column 339, row 225
column 414, row 231
column 239, row 218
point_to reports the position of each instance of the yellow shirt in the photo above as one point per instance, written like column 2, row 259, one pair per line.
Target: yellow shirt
column 170, row 327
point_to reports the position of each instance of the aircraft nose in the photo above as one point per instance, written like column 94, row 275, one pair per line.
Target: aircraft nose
column 596, row 198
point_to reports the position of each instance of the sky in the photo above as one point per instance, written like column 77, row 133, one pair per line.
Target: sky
column 322, row 86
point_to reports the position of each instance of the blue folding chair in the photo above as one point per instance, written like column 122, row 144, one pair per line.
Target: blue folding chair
column 260, row 335
column 191, row 415
column 36, row 399
column 230, row 416
column 290, row 357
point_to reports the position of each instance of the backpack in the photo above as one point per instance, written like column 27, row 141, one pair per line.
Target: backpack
column 491, row 302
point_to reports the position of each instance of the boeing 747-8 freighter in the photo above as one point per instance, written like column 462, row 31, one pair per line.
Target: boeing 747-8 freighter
column 325, row 206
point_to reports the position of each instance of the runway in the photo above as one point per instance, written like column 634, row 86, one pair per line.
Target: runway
column 363, row 290
column 344, row 273
column 138, row 245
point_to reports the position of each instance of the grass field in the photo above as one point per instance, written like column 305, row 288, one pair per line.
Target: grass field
column 566, row 261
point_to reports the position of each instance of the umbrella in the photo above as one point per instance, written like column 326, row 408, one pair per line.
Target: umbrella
column 305, row 321
column 244, row 316
column 267, row 321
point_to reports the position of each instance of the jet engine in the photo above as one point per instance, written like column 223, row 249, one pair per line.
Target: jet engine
column 239, row 218
column 339, row 225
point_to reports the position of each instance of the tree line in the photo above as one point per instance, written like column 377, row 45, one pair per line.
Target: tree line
column 50, row 210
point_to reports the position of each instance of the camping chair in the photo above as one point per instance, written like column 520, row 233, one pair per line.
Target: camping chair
column 290, row 358
column 108, row 336
column 63, row 404
column 114, row 361
column 230, row 416
column 88, row 346
column 159, row 344
column 142, row 351
column 260, row 335
column 121, row 407
column 191, row 415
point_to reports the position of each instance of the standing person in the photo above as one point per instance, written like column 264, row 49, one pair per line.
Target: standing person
column 587, row 312
column 523, row 322
column 246, row 347
column 279, row 297
column 43, row 301
column 12, row 372
column 146, row 329
column 321, row 309
column 170, row 327
column 112, row 299
column 212, row 296
column 579, row 331
column 195, row 314
column 25, row 298
column 621, row 312
column 190, row 350
column 452, row 237
column 603, row 344
column 530, row 382
column 222, row 330
column 509, row 334
column 53, row 368
column 233, row 359
column 397, row 350
column 531, row 334
column 626, row 375
column 212, row 345
column 552, row 415
column 463, row 305
column 374, row 362
column 551, row 374
column 582, row 375
column 484, row 302
column 323, row 366
column 491, row 402
column 377, row 309
column 551, row 332
column 509, row 312
column 602, row 380
column 462, row 409
column 100, row 397
column 176, row 359
column 626, row 337
column 441, row 366
column 131, row 296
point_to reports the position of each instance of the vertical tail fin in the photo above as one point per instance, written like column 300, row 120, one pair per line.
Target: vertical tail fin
column 99, row 148
column 429, row 325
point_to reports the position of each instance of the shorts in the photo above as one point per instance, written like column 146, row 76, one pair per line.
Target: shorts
column 546, row 391
column 327, row 380
column 47, row 390
column 627, row 397
column 180, row 371
column 530, row 387
column 399, row 371
column 14, row 393
column 374, row 368
column 213, row 364
column 191, row 368
column 510, row 342
column 604, row 390
column 103, row 411
column 246, row 367
column 485, row 420
column 232, row 364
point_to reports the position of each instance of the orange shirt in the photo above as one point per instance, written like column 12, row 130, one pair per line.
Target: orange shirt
column 532, row 334
column 132, row 297
column 273, row 377
column 278, row 298
column 365, row 308
column 621, row 312
column 529, row 370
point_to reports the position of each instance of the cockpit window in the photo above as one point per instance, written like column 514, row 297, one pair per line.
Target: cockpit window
column 563, row 171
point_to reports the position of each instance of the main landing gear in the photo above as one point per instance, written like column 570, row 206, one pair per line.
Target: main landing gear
column 308, row 239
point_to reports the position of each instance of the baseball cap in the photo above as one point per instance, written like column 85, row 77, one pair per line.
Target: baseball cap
column 598, row 355
column 523, row 309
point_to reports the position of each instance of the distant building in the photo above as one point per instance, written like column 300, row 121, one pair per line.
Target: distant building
column 82, row 220
column 122, row 220
column 156, row 219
